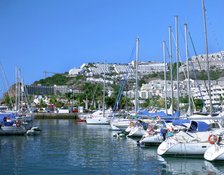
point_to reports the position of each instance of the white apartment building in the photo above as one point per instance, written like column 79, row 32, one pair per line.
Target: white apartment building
column 215, row 60
column 100, row 68
column 150, row 67
column 74, row 71
column 217, row 93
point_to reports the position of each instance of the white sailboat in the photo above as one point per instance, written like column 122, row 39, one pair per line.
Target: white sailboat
column 192, row 143
column 119, row 124
column 127, row 124
column 136, row 130
column 100, row 117
column 214, row 152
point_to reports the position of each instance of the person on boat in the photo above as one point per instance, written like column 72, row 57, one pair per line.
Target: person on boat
column 163, row 132
column 170, row 132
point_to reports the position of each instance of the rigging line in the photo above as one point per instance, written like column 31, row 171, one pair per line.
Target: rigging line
column 6, row 83
column 191, row 40
column 180, row 56
column 195, row 76
column 185, row 72
column 26, row 96
column 123, row 82
column 194, row 72
column 183, row 69
column 199, row 67
column 25, row 91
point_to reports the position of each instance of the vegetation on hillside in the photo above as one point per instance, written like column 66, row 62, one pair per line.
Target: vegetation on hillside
column 57, row 79
column 93, row 92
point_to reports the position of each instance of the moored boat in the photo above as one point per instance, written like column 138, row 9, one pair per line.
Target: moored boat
column 216, row 150
column 192, row 143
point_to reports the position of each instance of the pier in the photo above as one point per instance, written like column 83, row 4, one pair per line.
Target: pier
column 56, row 116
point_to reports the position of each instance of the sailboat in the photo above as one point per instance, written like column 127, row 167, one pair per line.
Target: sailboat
column 100, row 117
column 125, row 124
column 137, row 130
column 196, row 143
column 216, row 150
column 191, row 143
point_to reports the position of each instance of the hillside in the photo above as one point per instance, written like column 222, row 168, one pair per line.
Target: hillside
column 77, row 81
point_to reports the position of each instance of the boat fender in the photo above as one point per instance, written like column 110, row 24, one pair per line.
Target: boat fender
column 212, row 139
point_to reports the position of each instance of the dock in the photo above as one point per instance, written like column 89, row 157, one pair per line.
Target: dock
column 56, row 116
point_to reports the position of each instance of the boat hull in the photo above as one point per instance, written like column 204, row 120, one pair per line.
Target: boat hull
column 12, row 130
column 215, row 152
column 97, row 121
column 120, row 124
column 151, row 140
column 174, row 148
column 137, row 132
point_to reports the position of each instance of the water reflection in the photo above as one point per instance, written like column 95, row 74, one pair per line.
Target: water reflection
column 189, row 166
column 66, row 147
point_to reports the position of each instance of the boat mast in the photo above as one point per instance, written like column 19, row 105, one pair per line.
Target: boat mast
column 171, row 66
column 18, row 89
column 136, row 75
column 104, row 88
column 177, row 58
column 207, row 61
column 188, row 72
column 165, row 83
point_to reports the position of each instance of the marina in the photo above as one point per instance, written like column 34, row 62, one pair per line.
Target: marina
column 131, row 116
column 69, row 147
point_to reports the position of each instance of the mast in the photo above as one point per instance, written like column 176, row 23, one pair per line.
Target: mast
column 136, row 75
column 165, row 84
column 188, row 72
column 104, row 89
column 18, row 89
column 171, row 66
column 207, row 61
column 16, row 76
column 177, row 58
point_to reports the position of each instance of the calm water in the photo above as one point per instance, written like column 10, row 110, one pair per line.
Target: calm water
column 66, row 147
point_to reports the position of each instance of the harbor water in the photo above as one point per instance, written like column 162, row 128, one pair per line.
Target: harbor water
column 66, row 147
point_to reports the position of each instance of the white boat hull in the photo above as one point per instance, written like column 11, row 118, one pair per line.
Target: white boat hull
column 172, row 147
column 137, row 132
column 98, row 121
column 120, row 124
column 215, row 152
column 12, row 130
column 151, row 140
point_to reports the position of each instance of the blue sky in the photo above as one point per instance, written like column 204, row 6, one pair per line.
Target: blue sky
column 57, row 35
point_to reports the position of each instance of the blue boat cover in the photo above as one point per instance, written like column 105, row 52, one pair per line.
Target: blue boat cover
column 198, row 126
column 180, row 122
column 12, row 116
column 160, row 114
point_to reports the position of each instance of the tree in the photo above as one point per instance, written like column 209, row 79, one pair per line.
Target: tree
column 9, row 101
column 43, row 104
column 198, row 104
